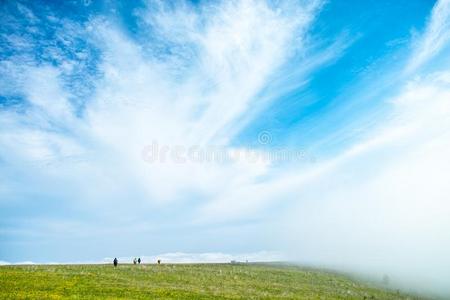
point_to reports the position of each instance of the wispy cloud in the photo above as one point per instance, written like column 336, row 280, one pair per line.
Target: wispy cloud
column 435, row 38
column 191, row 76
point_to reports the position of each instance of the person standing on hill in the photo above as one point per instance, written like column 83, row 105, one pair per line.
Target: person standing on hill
column 115, row 262
column 139, row 260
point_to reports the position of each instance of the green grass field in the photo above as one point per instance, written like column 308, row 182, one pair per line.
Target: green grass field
column 182, row 281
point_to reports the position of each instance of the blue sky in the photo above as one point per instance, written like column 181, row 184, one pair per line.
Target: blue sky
column 106, row 108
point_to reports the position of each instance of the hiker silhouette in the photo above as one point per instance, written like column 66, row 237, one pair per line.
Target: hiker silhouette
column 115, row 262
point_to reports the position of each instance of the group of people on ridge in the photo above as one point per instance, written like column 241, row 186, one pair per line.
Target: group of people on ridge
column 135, row 261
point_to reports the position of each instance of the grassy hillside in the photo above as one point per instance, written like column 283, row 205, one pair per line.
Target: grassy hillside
column 193, row 281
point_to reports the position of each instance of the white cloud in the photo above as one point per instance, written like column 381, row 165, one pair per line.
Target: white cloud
column 235, row 48
column 435, row 38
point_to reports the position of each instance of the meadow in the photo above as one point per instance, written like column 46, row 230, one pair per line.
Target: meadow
column 183, row 281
